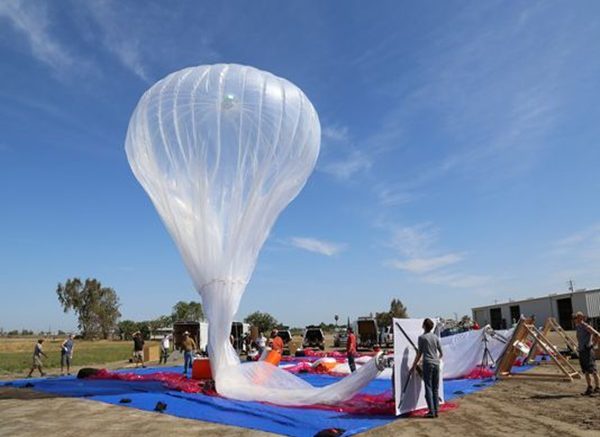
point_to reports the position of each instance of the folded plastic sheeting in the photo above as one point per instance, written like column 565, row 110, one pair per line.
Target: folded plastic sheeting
column 465, row 352
column 268, row 383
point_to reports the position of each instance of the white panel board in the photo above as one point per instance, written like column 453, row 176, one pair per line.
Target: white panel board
column 409, row 389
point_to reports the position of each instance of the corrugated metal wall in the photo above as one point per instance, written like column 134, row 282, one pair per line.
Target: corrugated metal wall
column 593, row 304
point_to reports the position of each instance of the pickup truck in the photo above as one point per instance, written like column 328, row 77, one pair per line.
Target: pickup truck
column 313, row 337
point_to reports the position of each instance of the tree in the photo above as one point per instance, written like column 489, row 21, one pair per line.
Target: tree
column 187, row 311
column 97, row 307
column 263, row 321
column 397, row 311
column 127, row 328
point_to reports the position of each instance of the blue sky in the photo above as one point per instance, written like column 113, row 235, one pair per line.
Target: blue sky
column 459, row 158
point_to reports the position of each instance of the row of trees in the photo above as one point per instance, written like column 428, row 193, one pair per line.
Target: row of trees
column 265, row 321
column 97, row 309
column 181, row 311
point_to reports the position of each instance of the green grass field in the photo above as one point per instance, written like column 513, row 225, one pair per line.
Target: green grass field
column 16, row 353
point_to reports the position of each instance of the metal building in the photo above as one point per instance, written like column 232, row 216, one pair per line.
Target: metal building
column 560, row 306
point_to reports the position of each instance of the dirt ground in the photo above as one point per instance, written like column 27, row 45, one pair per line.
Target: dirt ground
column 511, row 407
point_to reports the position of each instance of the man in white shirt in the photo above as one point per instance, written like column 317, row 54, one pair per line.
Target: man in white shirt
column 261, row 342
column 165, row 347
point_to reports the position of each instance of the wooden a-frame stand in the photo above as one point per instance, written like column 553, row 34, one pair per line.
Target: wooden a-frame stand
column 552, row 325
column 526, row 333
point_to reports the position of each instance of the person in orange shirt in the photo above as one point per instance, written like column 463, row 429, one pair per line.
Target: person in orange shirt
column 351, row 349
column 276, row 342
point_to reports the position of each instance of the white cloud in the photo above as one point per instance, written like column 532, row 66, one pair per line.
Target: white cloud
column 457, row 280
column 587, row 235
column 118, row 37
column 424, row 265
column 413, row 241
column 420, row 256
column 347, row 167
column 335, row 133
column 390, row 195
column 318, row 246
column 33, row 22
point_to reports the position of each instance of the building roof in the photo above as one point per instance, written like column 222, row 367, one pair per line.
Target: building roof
column 549, row 296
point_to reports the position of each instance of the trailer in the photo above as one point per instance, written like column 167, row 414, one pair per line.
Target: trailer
column 367, row 332
column 198, row 331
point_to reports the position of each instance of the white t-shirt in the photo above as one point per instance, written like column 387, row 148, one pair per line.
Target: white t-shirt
column 165, row 343
column 262, row 341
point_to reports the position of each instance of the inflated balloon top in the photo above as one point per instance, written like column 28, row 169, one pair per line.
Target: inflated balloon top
column 221, row 150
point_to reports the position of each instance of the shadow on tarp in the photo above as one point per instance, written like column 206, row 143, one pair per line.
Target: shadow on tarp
column 303, row 422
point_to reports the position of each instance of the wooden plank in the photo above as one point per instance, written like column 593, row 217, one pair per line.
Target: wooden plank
column 526, row 331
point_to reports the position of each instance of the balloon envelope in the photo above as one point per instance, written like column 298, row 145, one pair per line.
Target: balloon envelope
column 221, row 150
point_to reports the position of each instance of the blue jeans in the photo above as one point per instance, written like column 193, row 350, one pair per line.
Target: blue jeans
column 351, row 363
column 431, row 378
column 187, row 361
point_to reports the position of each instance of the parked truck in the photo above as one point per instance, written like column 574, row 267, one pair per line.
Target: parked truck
column 366, row 332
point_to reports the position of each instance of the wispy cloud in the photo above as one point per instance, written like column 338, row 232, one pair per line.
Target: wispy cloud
column 393, row 195
column 32, row 20
column 335, row 133
column 416, row 247
column 318, row 246
column 340, row 157
column 491, row 115
column 118, row 38
column 424, row 265
column 345, row 168
column 457, row 280
column 590, row 234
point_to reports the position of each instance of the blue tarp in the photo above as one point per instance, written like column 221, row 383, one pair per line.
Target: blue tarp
column 288, row 421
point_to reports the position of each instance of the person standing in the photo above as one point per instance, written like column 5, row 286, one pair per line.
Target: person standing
column 165, row 347
column 261, row 343
column 586, row 336
column 351, row 349
column 276, row 341
column 66, row 354
column 430, row 349
column 188, row 346
column 38, row 352
column 138, row 349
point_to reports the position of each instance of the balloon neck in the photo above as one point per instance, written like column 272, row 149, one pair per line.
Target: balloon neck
column 220, row 285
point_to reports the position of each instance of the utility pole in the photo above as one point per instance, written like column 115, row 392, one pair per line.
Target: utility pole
column 571, row 285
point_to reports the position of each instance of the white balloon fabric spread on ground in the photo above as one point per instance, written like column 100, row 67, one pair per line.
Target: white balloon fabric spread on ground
column 221, row 150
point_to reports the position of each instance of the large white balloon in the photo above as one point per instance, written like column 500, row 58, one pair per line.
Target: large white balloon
column 221, row 150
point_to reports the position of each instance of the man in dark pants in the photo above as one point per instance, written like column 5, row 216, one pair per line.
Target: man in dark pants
column 138, row 349
column 351, row 349
column 430, row 349
column 586, row 335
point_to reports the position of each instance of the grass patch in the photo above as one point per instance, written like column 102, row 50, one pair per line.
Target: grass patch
column 16, row 354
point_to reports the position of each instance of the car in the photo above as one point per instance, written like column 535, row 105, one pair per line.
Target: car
column 313, row 338
column 387, row 336
column 289, row 347
column 340, row 339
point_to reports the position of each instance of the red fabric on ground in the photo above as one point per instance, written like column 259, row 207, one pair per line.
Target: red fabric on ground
column 172, row 380
column 480, row 373
column 448, row 406
column 381, row 404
